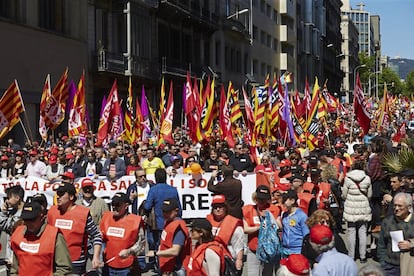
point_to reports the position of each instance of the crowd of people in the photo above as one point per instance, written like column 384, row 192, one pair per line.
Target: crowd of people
column 315, row 197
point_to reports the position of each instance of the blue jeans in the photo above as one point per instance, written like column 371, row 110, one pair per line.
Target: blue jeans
column 118, row 272
column 391, row 270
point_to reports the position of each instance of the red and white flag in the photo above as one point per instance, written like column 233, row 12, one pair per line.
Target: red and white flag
column 361, row 113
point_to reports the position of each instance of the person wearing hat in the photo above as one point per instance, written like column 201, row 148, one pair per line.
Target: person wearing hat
column 73, row 167
column 175, row 244
column 230, row 187
column 19, row 167
column 42, row 200
column 175, row 167
column 307, row 201
column 227, row 229
column 123, row 234
column 330, row 261
column 294, row 265
column 172, row 151
column 76, row 224
column 53, row 169
column 35, row 167
column 252, row 217
column 282, row 174
column 38, row 248
column 96, row 205
column 293, row 224
column 208, row 255
column 5, row 170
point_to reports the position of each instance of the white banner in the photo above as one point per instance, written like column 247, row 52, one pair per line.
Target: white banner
column 195, row 198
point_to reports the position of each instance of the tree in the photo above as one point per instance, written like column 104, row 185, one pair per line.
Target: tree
column 409, row 84
column 364, row 72
column 393, row 81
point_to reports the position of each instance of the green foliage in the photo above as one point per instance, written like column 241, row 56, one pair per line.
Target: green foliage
column 409, row 84
column 364, row 72
column 396, row 162
column 394, row 84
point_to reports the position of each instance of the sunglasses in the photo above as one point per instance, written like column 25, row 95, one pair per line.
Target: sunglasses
column 217, row 206
column 60, row 193
column 141, row 175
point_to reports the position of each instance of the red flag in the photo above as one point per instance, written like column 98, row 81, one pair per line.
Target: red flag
column 110, row 122
column 138, row 126
column 361, row 113
column 224, row 120
column 167, row 124
column 54, row 111
column 45, row 96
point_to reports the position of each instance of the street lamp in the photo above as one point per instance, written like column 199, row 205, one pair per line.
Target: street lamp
column 355, row 70
column 369, row 81
column 237, row 13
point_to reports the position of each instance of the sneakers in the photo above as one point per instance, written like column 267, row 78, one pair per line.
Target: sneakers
column 363, row 261
column 376, row 229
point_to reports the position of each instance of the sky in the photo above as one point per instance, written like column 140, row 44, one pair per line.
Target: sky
column 396, row 27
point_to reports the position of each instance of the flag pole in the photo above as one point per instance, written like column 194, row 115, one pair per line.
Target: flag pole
column 25, row 132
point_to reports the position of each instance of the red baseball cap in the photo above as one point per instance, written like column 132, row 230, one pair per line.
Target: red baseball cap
column 4, row 158
column 218, row 199
column 87, row 182
column 285, row 163
column 52, row 159
column 68, row 174
column 320, row 234
column 33, row 152
column 296, row 264
column 69, row 156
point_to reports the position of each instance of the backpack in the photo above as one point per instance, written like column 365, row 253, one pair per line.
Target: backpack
column 269, row 246
column 229, row 268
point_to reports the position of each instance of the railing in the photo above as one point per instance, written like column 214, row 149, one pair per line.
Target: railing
column 117, row 63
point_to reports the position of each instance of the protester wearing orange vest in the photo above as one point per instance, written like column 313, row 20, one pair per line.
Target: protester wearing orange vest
column 227, row 229
column 208, row 255
column 252, row 216
column 38, row 248
column 175, row 244
column 306, row 201
column 123, row 234
column 76, row 224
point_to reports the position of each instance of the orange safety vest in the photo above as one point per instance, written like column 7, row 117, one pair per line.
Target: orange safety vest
column 252, row 218
column 223, row 230
column 167, row 264
column 304, row 201
column 195, row 263
column 36, row 255
column 119, row 234
column 323, row 194
column 72, row 224
column 336, row 162
column 308, row 187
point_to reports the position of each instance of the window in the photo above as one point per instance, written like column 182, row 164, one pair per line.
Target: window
column 268, row 10
column 255, row 32
column 227, row 57
column 263, row 6
column 274, row 46
column 269, row 41
column 263, row 69
column 262, row 37
column 255, row 66
column 275, row 16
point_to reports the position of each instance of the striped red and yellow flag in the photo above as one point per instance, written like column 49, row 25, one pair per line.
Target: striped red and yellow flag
column 129, row 117
column 77, row 115
column 233, row 103
column 11, row 105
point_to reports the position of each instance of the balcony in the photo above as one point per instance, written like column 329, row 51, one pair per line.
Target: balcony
column 176, row 68
column 188, row 11
column 117, row 63
column 286, row 34
column 287, row 8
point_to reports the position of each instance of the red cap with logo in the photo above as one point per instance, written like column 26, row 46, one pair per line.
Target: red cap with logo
column 218, row 199
column 296, row 264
